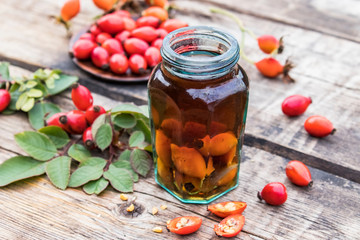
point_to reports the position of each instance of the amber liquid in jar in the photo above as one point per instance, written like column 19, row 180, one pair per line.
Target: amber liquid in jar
column 197, row 128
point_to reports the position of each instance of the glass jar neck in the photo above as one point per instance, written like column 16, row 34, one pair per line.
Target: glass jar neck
column 199, row 53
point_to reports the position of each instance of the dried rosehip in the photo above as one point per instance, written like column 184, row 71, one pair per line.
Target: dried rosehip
column 4, row 99
column 137, row 64
column 70, row 9
column 93, row 112
column 298, row 173
column 158, row 12
column 152, row 56
column 268, row 43
column 273, row 193
column 119, row 64
column 83, row 48
column 100, row 57
column 74, row 122
column 112, row 46
column 102, row 37
column 135, row 46
column 173, row 24
column 88, row 138
column 295, row 105
column 145, row 33
column 111, row 23
column 148, row 21
column 319, row 126
column 81, row 97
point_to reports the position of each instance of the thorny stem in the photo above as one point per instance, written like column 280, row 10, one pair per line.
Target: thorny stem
column 242, row 28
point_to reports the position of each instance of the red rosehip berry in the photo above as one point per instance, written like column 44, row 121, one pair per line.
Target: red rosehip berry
column 319, row 126
column 129, row 24
column 298, row 173
column 93, row 112
column 87, row 36
column 145, row 33
column 148, row 21
column 152, row 56
column 268, row 43
column 94, row 30
column 5, row 99
column 161, row 32
column 295, row 105
column 122, row 13
column 157, row 43
column 121, row 37
column 119, row 63
column 135, row 46
column 81, row 97
column 112, row 46
column 137, row 64
column 111, row 23
column 102, row 37
column 173, row 24
column 273, row 193
column 100, row 57
column 88, row 138
column 82, row 48
column 54, row 120
column 74, row 122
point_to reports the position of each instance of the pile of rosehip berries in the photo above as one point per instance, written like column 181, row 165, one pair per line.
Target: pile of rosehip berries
column 78, row 121
column 121, row 43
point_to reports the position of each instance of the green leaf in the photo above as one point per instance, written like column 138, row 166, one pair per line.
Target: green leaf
column 36, row 93
column 141, row 162
column 127, row 108
column 119, row 178
column 148, row 148
column 79, row 153
column 145, row 110
column 22, row 87
column 37, row 113
column 125, row 155
column 50, row 82
column 125, row 120
column 58, row 171
column 58, row 136
column 4, row 70
column 14, row 98
column 7, row 112
column 96, row 186
column 126, row 165
column 20, row 167
column 21, row 101
column 31, row 84
column 62, row 83
column 99, row 121
column 136, row 139
column 85, row 174
column 104, row 136
column 141, row 126
column 37, row 145
column 29, row 104
column 93, row 161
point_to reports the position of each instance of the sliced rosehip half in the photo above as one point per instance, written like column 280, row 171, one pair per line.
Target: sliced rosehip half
column 230, row 226
column 226, row 209
column 184, row 225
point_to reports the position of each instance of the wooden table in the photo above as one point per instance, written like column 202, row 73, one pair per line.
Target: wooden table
column 322, row 39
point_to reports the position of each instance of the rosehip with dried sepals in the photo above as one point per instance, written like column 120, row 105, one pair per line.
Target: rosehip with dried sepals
column 298, row 173
column 54, row 120
column 273, row 193
column 70, row 9
column 88, row 138
column 161, row 33
column 152, row 56
column 81, row 97
column 87, row 36
column 5, row 99
column 268, row 44
column 83, row 48
column 173, row 24
column 93, row 112
column 148, row 21
column 102, row 37
column 137, row 64
column 112, row 46
column 157, row 43
column 295, row 105
column 135, row 46
column 74, row 122
column 145, row 33
column 319, row 126
column 100, row 57
column 270, row 67
column 111, row 23
column 119, row 63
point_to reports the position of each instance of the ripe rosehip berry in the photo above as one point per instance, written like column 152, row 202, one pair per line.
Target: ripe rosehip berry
column 105, row 5
column 319, row 126
column 157, row 43
column 268, row 43
column 93, row 112
column 112, row 46
column 148, row 21
column 70, row 9
column 273, row 193
column 111, row 23
column 82, row 48
column 74, row 122
column 173, row 24
column 102, row 37
column 122, row 13
column 161, row 32
column 137, row 64
column 94, row 30
column 119, row 63
column 146, row 33
column 4, row 99
column 100, row 57
column 87, row 36
column 54, row 120
column 270, row 67
column 135, row 46
column 152, row 56
column 81, row 97
column 298, row 173
column 121, row 37
column 159, row 3
column 295, row 105
column 88, row 138
column 129, row 24
column 158, row 12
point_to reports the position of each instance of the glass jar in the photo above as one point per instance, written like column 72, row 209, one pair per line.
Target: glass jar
column 198, row 99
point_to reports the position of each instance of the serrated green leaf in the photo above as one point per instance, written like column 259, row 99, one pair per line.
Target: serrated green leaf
column 58, row 136
column 31, row 84
column 103, row 137
column 141, row 162
column 141, row 126
column 125, row 155
column 37, row 113
column 37, row 145
column 119, row 178
column 99, row 121
column 94, row 161
column 58, row 171
column 29, row 104
column 96, row 187
column 79, row 152
column 85, row 174
column 125, row 120
column 35, row 93
column 21, row 101
column 62, row 83
column 136, row 139
column 126, row 165
column 20, row 167
column 4, row 70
